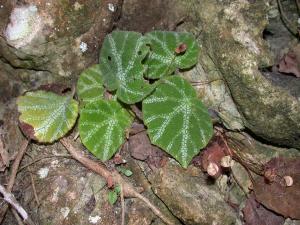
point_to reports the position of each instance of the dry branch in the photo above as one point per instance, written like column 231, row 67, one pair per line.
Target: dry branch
column 10, row 198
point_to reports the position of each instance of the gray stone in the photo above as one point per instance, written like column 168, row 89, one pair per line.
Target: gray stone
column 189, row 196
column 61, row 37
column 232, row 37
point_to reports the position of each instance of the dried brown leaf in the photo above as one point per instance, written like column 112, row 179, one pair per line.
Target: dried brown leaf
column 274, row 193
column 141, row 148
column 257, row 214
column 290, row 62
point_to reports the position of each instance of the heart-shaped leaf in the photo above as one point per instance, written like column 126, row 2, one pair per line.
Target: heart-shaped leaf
column 121, row 59
column 45, row 116
column 90, row 85
column 170, row 50
column 177, row 120
column 102, row 127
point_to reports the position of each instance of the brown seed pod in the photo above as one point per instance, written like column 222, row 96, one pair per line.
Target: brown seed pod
column 226, row 161
column 213, row 170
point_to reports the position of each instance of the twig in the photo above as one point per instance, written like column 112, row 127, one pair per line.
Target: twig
column 128, row 189
column 13, row 174
column 42, row 158
column 10, row 198
column 122, row 206
column 34, row 189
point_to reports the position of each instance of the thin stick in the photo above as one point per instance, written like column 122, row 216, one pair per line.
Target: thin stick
column 16, row 165
column 13, row 174
column 10, row 198
column 122, row 206
column 128, row 189
column 34, row 189
column 42, row 158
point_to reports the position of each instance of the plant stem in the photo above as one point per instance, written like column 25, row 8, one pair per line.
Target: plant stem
column 122, row 206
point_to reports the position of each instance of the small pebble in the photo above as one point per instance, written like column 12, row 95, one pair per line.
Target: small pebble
column 83, row 46
column 111, row 7
column 43, row 172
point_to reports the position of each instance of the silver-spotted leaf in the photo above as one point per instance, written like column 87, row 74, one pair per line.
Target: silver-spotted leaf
column 90, row 85
column 46, row 116
column 170, row 50
column 177, row 120
column 102, row 127
column 121, row 59
column 112, row 197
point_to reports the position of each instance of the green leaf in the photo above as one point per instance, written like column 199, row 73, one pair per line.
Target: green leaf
column 121, row 64
column 177, row 120
column 46, row 116
column 124, row 171
column 102, row 127
column 112, row 197
column 163, row 60
column 117, row 189
column 90, row 85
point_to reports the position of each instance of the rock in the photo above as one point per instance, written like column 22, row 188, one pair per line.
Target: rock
column 254, row 152
column 67, row 192
column 292, row 222
column 144, row 16
column 139, row 214
column 189, row 196
column 232, row 37
column 61, row 37
column 212, row 90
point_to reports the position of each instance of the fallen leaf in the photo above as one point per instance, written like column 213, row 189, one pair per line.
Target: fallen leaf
column 257, row 214
column 273, row 192
column 141, row 148
column 290, row 62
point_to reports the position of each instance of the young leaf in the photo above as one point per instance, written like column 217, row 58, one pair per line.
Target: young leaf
column 90, row 85
column 125, row 171
column 121, row 64
column 170, row 50
column 112, row 197
column 177, row 121
column 117, row 189
column 45, row 116
column 102, row 127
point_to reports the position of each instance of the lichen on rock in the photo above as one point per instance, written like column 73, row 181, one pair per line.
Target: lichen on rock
column 25, row 24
